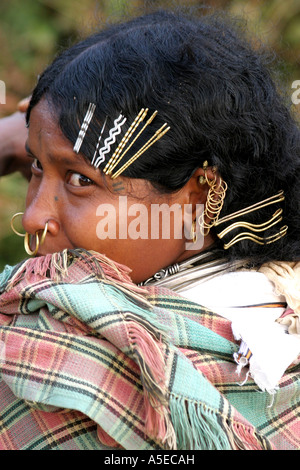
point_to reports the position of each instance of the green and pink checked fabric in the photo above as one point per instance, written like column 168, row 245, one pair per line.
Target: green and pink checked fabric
column 90, row 361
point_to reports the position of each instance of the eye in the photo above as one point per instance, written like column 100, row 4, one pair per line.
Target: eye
column 79, row 180
column 36, row 165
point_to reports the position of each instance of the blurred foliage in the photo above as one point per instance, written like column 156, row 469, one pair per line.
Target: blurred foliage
column 12, row 200
column 33, row 31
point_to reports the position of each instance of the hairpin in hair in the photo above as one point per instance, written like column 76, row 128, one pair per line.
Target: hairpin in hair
column 256, row 239
column 110, row 140
column 99, row 140
column 115, row 159
column 84, row 127
column 158, row 135
column 275, row 219
column 121, row 149
column 258, row 205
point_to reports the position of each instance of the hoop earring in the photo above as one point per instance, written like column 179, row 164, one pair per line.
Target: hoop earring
column 38, row 241
column 214, row 202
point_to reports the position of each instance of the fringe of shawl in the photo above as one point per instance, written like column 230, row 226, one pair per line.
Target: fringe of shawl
column 56, row 267
column 201, row 428
column 175, row 421
column 148, row 350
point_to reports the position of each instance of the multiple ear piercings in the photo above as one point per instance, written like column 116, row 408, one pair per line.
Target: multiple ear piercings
column 38, row 241
column 214, row 201
column 210, row 217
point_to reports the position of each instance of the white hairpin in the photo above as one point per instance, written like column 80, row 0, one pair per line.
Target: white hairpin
column 118, row 155
column 110, row 140
column 84, row 127
column 99, row 140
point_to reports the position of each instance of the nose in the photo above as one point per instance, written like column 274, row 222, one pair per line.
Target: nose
column 34, row 225
column 41, row 211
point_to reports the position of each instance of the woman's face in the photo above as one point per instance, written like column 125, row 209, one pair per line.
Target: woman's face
column 85, row 209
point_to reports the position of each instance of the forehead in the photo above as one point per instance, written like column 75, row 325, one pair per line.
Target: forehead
column 43, row 123
column 45, row 138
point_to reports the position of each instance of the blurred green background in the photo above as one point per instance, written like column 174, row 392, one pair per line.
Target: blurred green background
column 32, row 31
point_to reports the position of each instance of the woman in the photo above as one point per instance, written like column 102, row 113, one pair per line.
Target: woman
column 162, row 145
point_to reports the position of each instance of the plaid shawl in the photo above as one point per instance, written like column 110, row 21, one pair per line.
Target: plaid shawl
column 90, row 361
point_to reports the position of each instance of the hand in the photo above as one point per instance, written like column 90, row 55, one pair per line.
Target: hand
column 13, row 135
column 23, row 104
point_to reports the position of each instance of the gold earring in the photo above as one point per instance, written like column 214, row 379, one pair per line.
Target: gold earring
column 194, row 231
column 202, row 179
column 214, row 201
column 38, row 241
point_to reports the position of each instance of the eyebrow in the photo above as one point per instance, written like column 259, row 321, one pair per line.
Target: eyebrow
column 63, row 160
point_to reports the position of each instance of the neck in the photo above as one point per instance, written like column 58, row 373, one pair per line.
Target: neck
column 201, row 245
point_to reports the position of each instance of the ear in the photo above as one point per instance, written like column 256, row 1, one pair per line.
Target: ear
column 196, row 189
column 193, row 197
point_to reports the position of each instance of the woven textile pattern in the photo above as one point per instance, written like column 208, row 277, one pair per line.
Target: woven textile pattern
column 88, row 361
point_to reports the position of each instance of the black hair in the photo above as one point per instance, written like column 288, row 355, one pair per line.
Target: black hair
column 212, row 88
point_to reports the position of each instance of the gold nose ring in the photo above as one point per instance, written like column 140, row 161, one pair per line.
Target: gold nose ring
column 38, row 241
column 18, row 214
column 28, row 250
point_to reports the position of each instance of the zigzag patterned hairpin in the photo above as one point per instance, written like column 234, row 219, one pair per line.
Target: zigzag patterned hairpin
column 109, row 141
column 114, row 160
column 121, row 149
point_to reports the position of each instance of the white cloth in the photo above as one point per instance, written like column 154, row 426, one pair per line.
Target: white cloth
column 234, row 296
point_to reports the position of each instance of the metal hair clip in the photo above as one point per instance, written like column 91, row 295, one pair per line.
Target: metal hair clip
column 121, row 149
column 114, row 160
column 158, row 135
column 84, row 127
column 249, row 235
column 109, row 141
column 99, row 140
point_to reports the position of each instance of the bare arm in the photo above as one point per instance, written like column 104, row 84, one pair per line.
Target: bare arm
column 13, row 135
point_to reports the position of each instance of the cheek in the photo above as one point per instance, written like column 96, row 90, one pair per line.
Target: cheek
column 133, row 221
column 79, row 225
